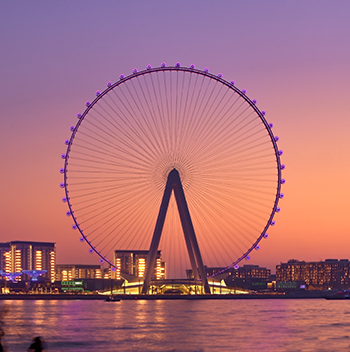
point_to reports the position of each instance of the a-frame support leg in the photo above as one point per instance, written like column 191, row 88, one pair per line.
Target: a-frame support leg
column 174, row 183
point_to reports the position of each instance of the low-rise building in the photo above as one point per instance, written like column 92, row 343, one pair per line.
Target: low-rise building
column 69, row 272
column 244, row 272
column 331, row 273
column 251, row 277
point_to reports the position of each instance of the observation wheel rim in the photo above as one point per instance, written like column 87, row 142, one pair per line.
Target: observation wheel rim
column 122, row 80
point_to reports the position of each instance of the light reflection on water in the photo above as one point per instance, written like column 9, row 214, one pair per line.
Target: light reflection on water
column 178, row 325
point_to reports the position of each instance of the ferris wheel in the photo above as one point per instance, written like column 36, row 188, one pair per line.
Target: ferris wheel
column 141, row 128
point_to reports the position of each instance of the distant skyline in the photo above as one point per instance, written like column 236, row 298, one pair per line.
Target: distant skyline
column 292, row 57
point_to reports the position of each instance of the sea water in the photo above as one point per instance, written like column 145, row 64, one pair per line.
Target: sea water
column 178, row 325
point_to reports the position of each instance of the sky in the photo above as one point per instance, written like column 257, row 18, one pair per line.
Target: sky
column 292, row 56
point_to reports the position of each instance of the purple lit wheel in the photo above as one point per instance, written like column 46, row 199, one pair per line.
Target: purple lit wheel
column 137, row 130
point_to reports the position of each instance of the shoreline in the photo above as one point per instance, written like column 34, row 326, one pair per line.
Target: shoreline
column 292, row 295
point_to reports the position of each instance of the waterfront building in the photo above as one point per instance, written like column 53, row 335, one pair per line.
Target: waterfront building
column 252, row 272
column 70, row 272
column 28, row 255
column 133, row 263
column 244, row 272
column 331, row 273
column 5, row 258
column 251, row 277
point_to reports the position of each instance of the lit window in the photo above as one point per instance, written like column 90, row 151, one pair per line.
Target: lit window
column 38, row 260
column 142, row 266
column 118, row 264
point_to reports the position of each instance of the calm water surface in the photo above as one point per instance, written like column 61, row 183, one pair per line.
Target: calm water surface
column 178, row 325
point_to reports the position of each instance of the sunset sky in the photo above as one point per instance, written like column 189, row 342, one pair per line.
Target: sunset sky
column 293, row 57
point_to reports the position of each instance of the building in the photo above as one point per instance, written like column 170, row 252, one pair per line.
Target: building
column 250, row 277
column 5, row 257
column 331, row 273
column 133, row 263
column 69, row 272
column 244, row 272
column 24, row 255
column 252, row 272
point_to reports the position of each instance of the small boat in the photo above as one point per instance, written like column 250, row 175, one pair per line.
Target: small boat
column 112, row 299
column 344, row 294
